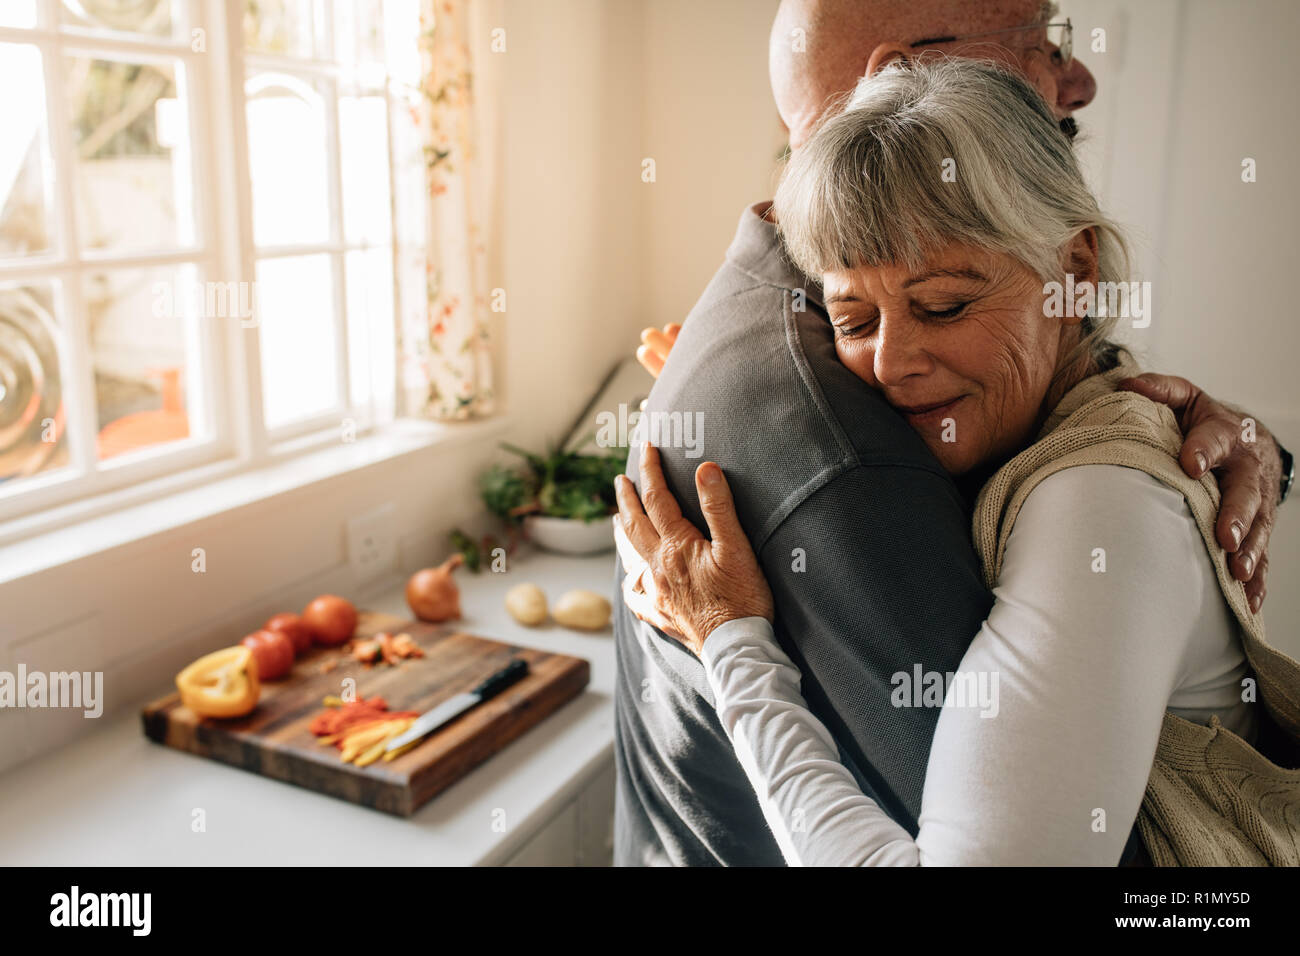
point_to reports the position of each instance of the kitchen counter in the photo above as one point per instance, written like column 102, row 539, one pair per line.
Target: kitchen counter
column 114, row 798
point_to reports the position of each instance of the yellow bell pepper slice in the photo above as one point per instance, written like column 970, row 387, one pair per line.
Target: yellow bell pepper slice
column 221, row 684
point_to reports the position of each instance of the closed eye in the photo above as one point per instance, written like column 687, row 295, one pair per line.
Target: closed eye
column 848, row 331
column 952, row 313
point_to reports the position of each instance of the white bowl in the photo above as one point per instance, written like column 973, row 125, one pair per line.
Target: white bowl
column 570, row 535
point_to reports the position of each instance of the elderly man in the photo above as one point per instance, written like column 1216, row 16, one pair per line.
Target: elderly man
column 864, row 538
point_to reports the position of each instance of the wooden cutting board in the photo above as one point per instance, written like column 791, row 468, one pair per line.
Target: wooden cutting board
column 275, row 739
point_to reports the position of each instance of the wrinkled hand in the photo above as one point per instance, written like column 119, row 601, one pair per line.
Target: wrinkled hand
column 1249, row 473
column 655, row 346
column 689, row 585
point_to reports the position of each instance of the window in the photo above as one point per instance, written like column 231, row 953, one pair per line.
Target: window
column 196, row 233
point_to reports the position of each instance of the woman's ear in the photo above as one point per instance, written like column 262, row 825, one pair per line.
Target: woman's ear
column 1081, row 258
column 886, row 53
column 1080, row 264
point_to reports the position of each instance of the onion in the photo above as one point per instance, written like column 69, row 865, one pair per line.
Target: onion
column 432, row 594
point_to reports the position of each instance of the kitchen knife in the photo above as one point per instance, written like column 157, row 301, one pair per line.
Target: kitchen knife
column 431, row 720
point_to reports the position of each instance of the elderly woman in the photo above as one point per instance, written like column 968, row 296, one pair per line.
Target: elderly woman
column 940, row 208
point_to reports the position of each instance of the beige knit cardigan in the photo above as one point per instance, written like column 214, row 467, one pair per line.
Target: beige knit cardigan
column 1212, row 799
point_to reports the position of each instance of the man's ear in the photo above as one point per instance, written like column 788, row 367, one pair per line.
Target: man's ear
column 885, row 53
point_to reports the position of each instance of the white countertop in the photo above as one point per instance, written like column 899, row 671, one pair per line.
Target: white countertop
column 114, row 798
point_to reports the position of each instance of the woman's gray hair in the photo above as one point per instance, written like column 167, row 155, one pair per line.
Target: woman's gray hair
column 869, row 187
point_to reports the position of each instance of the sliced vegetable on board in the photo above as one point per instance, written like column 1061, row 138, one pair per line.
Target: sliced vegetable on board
column 221, row 684
column 361, row 729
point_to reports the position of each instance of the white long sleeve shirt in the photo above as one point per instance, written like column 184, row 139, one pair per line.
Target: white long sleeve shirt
column 1106, row 614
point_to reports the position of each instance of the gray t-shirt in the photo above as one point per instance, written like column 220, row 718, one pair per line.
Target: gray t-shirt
column 863, row 537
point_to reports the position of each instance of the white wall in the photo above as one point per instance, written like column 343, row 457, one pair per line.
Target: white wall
column 592, row 253
column 1187, row 89
column 574, row 238
column 713, row 130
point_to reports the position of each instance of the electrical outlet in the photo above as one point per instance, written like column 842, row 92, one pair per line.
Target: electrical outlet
column 372, row 543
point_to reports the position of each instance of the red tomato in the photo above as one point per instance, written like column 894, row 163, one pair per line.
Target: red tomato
column 273, row 652
column 294, row 628
column 330, row 619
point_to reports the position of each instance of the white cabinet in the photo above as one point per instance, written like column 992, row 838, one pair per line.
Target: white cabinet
column 581, row 834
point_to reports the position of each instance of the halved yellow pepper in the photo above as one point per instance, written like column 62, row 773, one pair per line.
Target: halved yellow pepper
column 221, row 684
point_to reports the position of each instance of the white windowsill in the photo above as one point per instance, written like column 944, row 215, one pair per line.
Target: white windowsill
column 221, row 487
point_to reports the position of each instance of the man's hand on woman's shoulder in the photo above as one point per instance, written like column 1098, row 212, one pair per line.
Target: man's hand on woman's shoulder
column 1217, row 437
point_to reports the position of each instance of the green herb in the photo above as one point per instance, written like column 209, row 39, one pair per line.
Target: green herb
column 506, row 489
column 559, row 484
column 478, row 554
column 467, row 548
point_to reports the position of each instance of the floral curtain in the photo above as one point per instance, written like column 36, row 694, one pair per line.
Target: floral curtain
column 446, row 358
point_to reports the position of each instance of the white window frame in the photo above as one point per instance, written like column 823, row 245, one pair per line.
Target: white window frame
column 224, row 250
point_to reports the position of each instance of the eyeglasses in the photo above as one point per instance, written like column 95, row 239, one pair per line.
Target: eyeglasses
column 1060, row 35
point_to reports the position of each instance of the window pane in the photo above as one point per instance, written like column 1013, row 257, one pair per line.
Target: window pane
column 295, row 305
column 132, row 154
column 403, row 27
column 279, row 26
column 32, row 423
column 154, row 17
column 287, row 160
column 144, row 351
column 18, row 13
column 359, row 31
column 371, row 325
column 363, row 137
column 24, row 154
